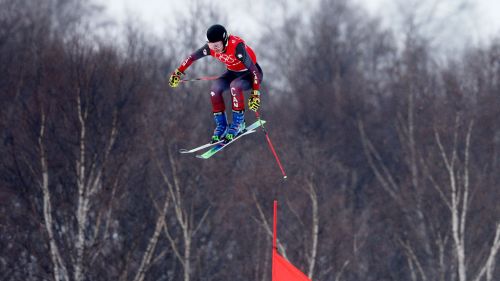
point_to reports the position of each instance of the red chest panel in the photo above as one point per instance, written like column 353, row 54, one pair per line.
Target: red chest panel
column 228, row 57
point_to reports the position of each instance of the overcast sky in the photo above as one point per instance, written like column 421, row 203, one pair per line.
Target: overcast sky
column 468, row 23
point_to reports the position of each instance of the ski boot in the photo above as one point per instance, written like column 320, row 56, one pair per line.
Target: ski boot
column 220, row 126
column 237, row 127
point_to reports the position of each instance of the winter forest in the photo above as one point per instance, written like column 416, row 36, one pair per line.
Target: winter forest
column 392, row 151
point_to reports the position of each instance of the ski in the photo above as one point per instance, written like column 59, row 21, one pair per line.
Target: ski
column 220, row 146
column 183, row 150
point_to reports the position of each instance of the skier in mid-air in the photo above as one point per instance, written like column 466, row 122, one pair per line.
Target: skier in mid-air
column 243, row 73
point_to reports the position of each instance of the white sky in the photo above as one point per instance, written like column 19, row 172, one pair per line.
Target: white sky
column 472, row 21
column 477, row 22
column 242, row 15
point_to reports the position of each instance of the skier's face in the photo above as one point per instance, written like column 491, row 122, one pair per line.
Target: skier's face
column 217, row 47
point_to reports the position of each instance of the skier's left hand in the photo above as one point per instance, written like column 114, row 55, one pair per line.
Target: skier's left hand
column 175, row 78
column 254, row 100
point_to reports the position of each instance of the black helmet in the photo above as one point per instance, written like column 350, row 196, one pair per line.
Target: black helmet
column 217, row 33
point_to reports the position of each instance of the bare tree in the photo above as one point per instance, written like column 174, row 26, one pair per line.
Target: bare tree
column 457, row 199
column 153, row 241
column 183, row 215
column 59, row 266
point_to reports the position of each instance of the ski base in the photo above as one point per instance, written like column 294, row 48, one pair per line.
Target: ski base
column 183, row 150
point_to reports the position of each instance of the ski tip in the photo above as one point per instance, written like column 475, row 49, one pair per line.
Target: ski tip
column 285, row 177
column 183, row 150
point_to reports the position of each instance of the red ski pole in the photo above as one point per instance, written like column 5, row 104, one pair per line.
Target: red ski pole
column 271, row 146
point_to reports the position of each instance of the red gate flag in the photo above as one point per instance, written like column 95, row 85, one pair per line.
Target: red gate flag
column 283, row 270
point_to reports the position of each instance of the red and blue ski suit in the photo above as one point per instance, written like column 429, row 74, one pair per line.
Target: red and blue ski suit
column 243, row 72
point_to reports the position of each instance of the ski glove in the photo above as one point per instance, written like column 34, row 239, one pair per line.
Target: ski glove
column 175, row 78
column 254, row 100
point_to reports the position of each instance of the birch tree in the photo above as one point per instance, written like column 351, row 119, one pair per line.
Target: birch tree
column 457, row 197
column 59, row 265
column 147, row 257
column 184, row 216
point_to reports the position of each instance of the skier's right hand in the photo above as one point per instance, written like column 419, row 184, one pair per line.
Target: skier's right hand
column 175, row 78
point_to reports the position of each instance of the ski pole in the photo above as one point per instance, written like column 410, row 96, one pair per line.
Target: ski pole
column 271, row 146
column 200, row 79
